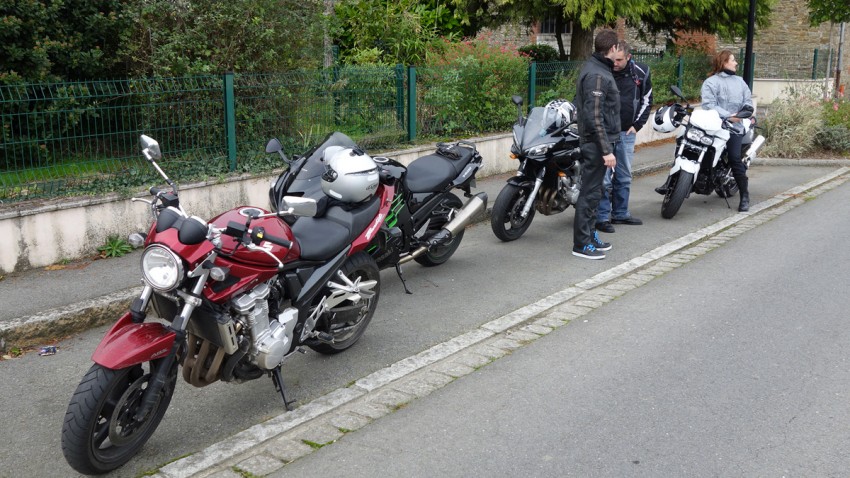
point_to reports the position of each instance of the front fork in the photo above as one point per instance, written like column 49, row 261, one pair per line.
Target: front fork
column 529, row 203
column 178, row 326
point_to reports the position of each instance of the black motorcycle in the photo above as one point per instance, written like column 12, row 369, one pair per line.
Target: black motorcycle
column 549, row 176
column 426, row 221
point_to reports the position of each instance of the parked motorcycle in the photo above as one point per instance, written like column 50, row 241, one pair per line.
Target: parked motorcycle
column 230, row 299
column 703, row 135
column 548, row 179
column 426, row 219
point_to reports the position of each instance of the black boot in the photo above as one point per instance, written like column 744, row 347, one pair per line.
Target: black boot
column 662, row 190
column 744, row 193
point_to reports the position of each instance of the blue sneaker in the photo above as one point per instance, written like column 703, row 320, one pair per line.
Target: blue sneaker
column 598, row 244
column 588, row 252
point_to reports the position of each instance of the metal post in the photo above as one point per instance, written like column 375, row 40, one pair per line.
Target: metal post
column 532, row 84
column 838, row 60
column 680, row 72
column 411, row 103
column 230, row 119
column 399, row 94
column 749, row 57
column 815, row 65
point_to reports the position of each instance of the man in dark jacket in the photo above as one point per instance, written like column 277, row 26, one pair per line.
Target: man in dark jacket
column 598, row 104
column 635, row 87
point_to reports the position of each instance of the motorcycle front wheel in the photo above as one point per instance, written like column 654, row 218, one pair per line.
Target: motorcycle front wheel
column 439, row 218
column 506, row 221
column 678, row 189
column 99, row 433
column 347, row 322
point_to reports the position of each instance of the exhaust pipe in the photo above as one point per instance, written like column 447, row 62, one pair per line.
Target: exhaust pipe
column 754, row 147
column 475, row 206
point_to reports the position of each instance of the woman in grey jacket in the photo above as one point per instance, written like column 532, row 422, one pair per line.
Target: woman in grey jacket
column 730, row 96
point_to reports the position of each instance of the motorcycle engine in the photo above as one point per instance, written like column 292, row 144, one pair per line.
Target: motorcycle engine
column 271, row 339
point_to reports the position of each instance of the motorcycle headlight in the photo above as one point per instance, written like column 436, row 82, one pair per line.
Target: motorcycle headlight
column 162, row 268
column 699, row 136
column 540, row 149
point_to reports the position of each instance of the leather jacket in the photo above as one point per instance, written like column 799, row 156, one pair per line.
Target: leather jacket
column 598, row 104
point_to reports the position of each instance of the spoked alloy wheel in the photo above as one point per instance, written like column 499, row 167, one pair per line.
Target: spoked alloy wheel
column 440, row 216
column 99, row 433
column 347, row 321
column 678, row 189
column 506, row 221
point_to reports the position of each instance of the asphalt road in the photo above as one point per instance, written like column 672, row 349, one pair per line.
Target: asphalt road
column 734, row 364
column 484, row 280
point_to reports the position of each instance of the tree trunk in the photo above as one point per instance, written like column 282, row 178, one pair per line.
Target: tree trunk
column 559, row 35
column 581, row 43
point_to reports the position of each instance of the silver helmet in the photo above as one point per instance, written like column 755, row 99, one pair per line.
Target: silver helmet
column 350, row 175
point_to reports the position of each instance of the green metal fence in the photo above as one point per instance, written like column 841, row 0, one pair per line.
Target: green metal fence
column 82, row 138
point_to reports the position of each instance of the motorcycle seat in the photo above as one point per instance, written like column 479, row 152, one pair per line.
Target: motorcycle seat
column 434, row 172
column 321, row 238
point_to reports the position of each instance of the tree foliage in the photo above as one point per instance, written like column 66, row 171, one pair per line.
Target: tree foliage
column 390, row 32
column 727, row 18
column 208, row 36
column 71, row 39
column 822, row 11
column 92, row 39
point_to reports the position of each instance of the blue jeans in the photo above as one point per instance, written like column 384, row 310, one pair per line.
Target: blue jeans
column 616, row 189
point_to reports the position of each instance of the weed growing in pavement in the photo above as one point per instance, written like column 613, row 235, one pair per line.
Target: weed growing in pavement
column 115, row 247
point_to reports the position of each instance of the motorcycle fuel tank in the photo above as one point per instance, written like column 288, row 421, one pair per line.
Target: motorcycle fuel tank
column 273, row 226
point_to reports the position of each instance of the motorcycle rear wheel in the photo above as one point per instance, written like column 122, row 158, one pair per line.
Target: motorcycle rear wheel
column 348, row 328
column 677, row 191
column 506, row 222
column 440, row 217
column 99, row 433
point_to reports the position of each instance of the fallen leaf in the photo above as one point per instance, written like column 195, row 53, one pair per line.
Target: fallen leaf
column 55, row 267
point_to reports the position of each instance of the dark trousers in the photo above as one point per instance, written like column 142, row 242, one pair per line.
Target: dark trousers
column 733, row 154
column 592, row 174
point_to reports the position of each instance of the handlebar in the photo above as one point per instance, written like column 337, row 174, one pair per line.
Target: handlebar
column 259, row 235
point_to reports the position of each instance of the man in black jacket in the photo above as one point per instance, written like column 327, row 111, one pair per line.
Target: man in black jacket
column 635, row 87
column 598, row 104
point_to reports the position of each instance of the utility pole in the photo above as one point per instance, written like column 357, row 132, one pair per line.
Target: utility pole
column 748, row 55
column 838, row 62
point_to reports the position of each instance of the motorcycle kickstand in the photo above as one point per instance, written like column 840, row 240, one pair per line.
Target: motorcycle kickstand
column 278, row 385
column 728, row 206
column 401, row 276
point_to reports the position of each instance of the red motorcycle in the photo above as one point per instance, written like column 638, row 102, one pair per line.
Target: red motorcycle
column 230, row 299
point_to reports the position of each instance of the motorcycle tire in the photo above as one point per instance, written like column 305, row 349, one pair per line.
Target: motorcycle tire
column 506, row 222
column 99, row 433
column 440, row 217
column 678, row 189
column 346, row 332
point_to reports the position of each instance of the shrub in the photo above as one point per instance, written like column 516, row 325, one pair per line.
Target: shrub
column 466, row 87
column 793, row 122
column 834, row 138
column 837, row 112
column 539, row 52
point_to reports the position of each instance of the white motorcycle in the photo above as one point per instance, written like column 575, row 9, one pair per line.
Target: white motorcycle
column 702, row 134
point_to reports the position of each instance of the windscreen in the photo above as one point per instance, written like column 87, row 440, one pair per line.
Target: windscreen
column 541, row 123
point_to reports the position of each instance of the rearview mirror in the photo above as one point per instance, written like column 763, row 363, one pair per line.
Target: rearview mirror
column 676, row 91
column 150, row 148
column 298, row 206
column 274, row 146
